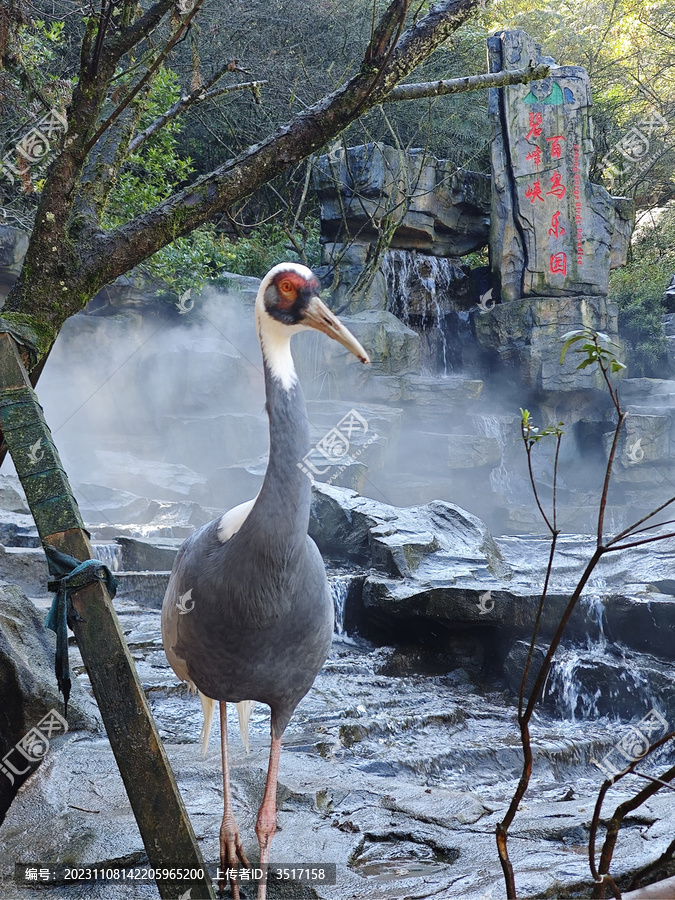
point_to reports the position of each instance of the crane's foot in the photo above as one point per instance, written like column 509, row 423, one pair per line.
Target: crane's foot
column 232, row 856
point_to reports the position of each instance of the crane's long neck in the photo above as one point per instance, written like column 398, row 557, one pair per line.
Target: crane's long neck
column 284, row 499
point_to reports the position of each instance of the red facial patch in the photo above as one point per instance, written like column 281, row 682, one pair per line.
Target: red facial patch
column 288, row 285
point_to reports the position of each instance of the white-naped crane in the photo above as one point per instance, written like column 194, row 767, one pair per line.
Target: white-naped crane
column 259, row 621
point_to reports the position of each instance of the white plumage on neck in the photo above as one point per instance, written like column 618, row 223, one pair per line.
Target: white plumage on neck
column 275, row 342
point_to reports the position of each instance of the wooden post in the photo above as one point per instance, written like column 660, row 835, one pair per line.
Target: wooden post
column 156, row 802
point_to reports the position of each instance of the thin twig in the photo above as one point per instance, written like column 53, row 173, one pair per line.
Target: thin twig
column 192, row 99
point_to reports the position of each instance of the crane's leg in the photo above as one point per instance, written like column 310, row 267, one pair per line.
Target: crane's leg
column 231, row 849
column 266, row 825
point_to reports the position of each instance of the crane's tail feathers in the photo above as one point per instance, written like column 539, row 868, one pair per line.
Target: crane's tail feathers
column 244, row 712
column 208, row 708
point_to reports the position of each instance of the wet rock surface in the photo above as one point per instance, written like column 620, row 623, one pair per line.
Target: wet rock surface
column 398, row 779
column 401, row 760
column 28, row 689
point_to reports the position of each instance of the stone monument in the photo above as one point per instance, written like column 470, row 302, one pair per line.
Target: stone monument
column 554, row 235
column 553, row 232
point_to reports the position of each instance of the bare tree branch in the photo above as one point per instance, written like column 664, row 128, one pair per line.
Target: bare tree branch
column 468, row 83
column 140, row 29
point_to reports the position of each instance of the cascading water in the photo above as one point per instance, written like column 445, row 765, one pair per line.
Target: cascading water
column 501, row 477
column 419, row 288
column 110, row 554
column 339, row 588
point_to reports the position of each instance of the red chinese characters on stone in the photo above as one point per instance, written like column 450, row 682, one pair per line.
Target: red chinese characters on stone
column 536, row 125
column 535, row 156
column 556, row 149
column 557, row 188
column 533, row 192
column 558, row 263
column 556, row 230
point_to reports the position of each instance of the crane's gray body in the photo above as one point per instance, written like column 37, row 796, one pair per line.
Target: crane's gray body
column 262, row 620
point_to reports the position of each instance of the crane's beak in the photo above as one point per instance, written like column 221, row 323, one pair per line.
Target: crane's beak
column 317, row 315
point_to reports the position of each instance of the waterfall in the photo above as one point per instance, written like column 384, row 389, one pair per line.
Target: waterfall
column 339, row 588
column 110, row 554
column 594, row 603
column 589, row 683
column 572, row 697
column 501, row 479
column 419, row 288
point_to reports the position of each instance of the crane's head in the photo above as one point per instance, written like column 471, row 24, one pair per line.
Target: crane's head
column 288, row 301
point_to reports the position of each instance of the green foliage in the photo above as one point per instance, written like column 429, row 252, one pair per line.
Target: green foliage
column 150, row 176
column 266, row 246
column 531, row 434
column 596, row 348
column 638, row 289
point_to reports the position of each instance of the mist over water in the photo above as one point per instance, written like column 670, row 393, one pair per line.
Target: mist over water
column 170, row 407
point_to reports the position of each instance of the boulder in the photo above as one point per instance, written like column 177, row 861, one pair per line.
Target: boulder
column 398, row 541
column 101, row 504
column 394, row 349
column 12, row 496
column 428, row 399
column 524, row 338
column 148, row 477
column 471, row 451
column 148, row 556
column 29, row 692
column 26, row 567
column 18, row 530
column 514, row 666
column 644, row 441
column 13, row 246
